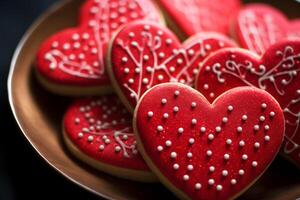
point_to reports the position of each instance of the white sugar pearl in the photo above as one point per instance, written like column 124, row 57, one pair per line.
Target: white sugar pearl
column 211, row 168
column 233, row 181
column 244, row 117
column 198, row 186
column 189, row 155
column 168, row 143
column 164, row 101
column 256, row 145
column 166, row 115
column 267, row 138
column 124, row 59
column 80, row 135
column 180, row 130
column 272, row 114
column 208, row 152
column 211, row 181
column 193, row 104
column 262, row 118
column 194, row 121
column 90, row 138
column 226, row 156
column 254, row 164
column 230, row 108
column 190, row 167
column 175, row 109
column 224, row 172
column 160, row 148
column 160, row 128
column 228, row 141
column 218, row 129
column 267, row 127
column 244, row 157
column 145, row 81
column 211, row 137
column 225, row 120
column 256, row 127
column 150, row 114
column 186, row 177
column 176, row 93
column 173, row 155
column 176, row 166
column 101, row 147
column 239, row 129
column 219, row 187
column 263, row 106
column 191, row 140
column 241, row 172
column 241, row 143
column 202, row 129
column 117, row 149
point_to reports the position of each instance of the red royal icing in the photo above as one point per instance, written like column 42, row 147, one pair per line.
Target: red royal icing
column 101, row 128
column 75, row 56
column 277, row 72
column 209, row 151
column 195, row 16
column 294, row 28
column 143, row 54
column 258, row 26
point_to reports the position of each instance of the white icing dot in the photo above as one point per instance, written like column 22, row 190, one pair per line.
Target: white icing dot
column 179, row 61
column 256, row 145
column 149, row 69
column 226, row 156
column 224, row 172
column 230, row 108
column 205, row 86
column 262, row 118
column 267, row 127
column 211, row 168
column 211, row 181
column 117, row 149
column 233, row 181
column 101, row 147
column 160, row 128
column 193, row 104
column 77, row 120
column 194, row 121
column 241, row 143
column 150, row 114
column 176, row 166
column 146, row 57
column 124, row 59
column 267, row 138
column 131, row 81
column 80, row 135
column 211, row 95
column 191, row 141
column 191, row 52
column 172, row 69
column 160, row 77
column 195, row 71
column 218, row 129
column 228, row 141
column 244, row 117
column 90, row 138
column 176, row 93
column 207, row 68
column 126, row 70
column 164, row 101
column 272, row 114
column 107, row 141
column 173, row 155
column 244, row 157
column 186, row 177
column 190, row 167
column 239, row 129
column 175, row 109
column 256, row 127
column 225, row 120
column 219, row 187
column 180, row 130
column 168, row 143
column 263, row 106
column 202, row 129
column 208, row 152
column 198, row 186
column 241, row 172
column 131, row 34
column 166, row 115
column 211, row 137
column 189, row 155
column 161, row 55
column 160, row 148
column 207, row 47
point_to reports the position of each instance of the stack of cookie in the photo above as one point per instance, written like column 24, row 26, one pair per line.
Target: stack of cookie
column 206, row 116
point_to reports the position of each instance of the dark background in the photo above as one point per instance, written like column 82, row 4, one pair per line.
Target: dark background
column 23, row 174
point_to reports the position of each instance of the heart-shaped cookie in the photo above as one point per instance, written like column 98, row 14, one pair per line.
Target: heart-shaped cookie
column 143, row 54
column 208, row 151
column 277, row 72
column 194, row 16
column 71, row 62
column 258, row 26
column 99, row 132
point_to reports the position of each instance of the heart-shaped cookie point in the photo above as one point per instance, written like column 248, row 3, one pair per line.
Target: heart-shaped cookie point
column 277, row 72
column 258, row 26
column 71, row 62
column 194, row 16
column 208, row 151
column 99, row 132
column 143, row 54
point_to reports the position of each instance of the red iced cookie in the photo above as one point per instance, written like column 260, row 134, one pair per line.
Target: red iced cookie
column 208, row 151
column 194, row 16
column 71, row 62
column 143, row 54
column 294, row 28
column 277, row 71
column 258, row 26
column 99, row 132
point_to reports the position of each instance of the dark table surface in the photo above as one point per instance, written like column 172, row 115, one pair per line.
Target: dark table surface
column 23, row 174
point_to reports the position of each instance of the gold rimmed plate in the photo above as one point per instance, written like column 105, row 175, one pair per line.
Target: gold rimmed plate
column 39, row 115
